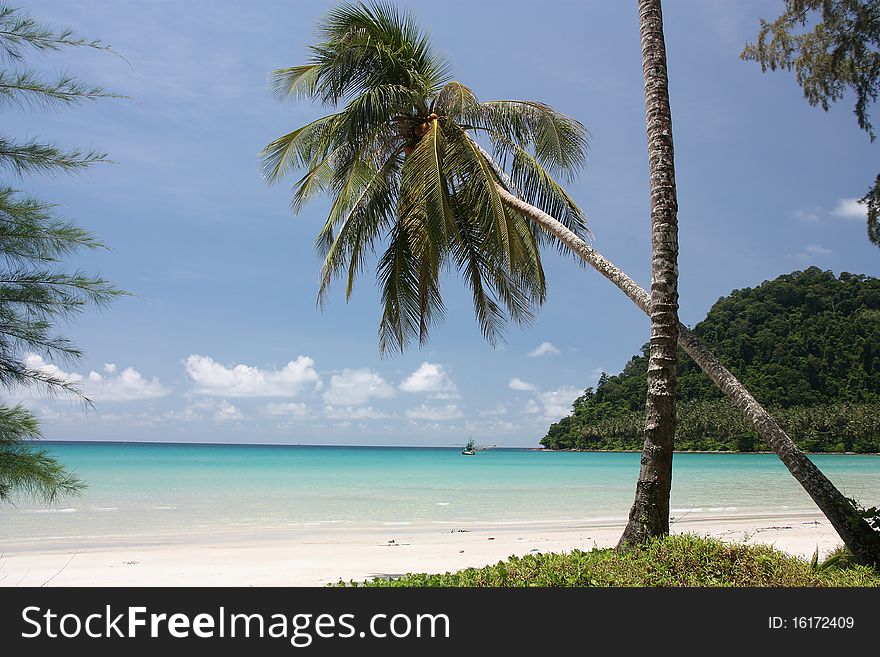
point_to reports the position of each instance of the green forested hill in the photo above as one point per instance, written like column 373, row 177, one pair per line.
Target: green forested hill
column 807, row 345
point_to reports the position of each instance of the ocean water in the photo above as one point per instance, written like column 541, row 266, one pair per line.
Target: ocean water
column 160, row 490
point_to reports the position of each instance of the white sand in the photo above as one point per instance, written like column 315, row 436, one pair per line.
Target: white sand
column 311, row 558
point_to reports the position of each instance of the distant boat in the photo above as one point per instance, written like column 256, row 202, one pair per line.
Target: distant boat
column 471, row 448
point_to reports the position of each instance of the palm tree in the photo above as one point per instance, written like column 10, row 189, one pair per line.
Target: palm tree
column 649, row 515
column 401, row 161
column 405, row 174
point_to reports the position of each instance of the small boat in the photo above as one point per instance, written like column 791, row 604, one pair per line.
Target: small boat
column 471, row 448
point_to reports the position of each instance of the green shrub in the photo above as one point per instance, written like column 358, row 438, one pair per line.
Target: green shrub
column 681, row 560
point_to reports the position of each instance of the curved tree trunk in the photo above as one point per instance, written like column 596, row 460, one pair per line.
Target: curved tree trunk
column 862, row 541
column 649, row 515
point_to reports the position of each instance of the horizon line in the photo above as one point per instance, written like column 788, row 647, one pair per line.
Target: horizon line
column 239, row 444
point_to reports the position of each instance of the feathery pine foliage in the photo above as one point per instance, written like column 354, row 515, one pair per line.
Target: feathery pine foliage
column 399, row 157
column 833, row 47
column 805, row 344
column 680, row 560
column 25, row 470
column 35, row 289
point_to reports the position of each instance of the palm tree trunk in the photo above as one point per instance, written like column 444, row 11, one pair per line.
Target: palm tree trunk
column 649, row 515
column 861, row 540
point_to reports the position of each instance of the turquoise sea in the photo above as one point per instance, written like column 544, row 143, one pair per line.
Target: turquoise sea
column 157, row 490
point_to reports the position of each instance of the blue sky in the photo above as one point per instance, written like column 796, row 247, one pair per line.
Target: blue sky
column 221, row 339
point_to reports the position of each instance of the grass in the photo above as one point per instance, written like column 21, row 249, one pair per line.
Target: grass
column 681, row 560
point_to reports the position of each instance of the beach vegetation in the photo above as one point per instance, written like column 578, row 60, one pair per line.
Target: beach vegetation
column 672, row 561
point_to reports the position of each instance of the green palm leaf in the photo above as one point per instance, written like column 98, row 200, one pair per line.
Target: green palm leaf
column 399, row 158
column 299, row 148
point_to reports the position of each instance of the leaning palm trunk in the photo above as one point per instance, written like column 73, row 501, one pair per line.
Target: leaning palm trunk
column 649, row 515
column 862, row 541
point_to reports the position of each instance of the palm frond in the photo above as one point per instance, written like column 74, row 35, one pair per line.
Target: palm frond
column 299, row 82
column 425, row 196
column 558, row 141
column 398, row 274
column 375, row 107
column 478, row 190
column 536, row 186
column 376, row 43
column 305, row 146
column 485, row 279
column 509, row 263
column 424, row 207
column 315, row 181
column 455, row 101
column 361, row 212
column 339, row 170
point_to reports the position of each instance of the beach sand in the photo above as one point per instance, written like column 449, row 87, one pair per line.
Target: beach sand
column 316, row 557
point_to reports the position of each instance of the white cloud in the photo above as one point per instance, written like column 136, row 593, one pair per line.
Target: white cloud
column 544, row 349
column 555, row 404
column 445, row 395
column 212, row 378
column 434, row 413
column 191, row 413
column 353, row 387
column 500, row 409
column 850, row 208
column 291, row 409
column 226, row 412
column 354, row 413
column 813, row 251
column 519, row 384
column 846, row 208
column 36, row 362
column 128, row 385
column 809, row 216
column 429, row 377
